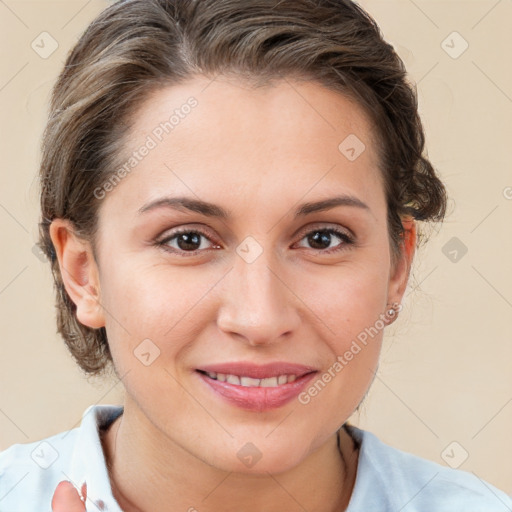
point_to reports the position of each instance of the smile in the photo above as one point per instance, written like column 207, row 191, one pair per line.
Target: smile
column 249, row 382
column 255, row 394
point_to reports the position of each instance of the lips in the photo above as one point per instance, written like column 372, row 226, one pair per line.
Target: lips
column 256, row 387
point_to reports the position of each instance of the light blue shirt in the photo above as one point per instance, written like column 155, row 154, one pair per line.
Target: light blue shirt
column 387, row 479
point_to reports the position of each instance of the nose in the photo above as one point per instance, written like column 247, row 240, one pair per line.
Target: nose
column 258, row 305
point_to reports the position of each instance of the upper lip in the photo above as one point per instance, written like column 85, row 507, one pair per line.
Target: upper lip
column 259, row 371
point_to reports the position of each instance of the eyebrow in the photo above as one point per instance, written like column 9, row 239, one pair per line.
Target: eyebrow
column 213, row 210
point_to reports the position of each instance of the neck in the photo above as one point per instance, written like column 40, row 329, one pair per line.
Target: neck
column 148, row 471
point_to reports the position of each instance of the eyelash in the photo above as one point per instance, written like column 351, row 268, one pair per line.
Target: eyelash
column 346, row 239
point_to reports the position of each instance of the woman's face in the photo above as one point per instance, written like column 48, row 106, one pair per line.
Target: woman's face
column 269, row 282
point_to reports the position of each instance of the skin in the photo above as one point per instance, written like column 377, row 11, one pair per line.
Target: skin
column 258, row 153
column 67, row 499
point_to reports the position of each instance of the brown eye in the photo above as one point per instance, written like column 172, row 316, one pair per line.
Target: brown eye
column 321, row 239
column 186, row 241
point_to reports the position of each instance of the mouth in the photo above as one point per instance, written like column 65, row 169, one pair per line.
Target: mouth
column 250, row 382
column 246, row 369
column 256, row 387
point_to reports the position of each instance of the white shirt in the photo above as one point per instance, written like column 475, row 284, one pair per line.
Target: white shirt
column 387, row 479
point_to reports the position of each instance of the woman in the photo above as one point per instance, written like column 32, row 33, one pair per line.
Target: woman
column 229, row 202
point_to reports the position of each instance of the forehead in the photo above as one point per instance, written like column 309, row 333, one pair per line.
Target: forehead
column 206, row 134
column 305, row 109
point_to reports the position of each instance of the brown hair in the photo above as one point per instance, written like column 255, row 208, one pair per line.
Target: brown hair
column 136, row 46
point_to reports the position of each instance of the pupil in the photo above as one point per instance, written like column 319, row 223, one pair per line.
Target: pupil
column 320, row 237
column 189, row 241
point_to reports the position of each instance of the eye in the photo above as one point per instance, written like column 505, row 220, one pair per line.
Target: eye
column 186, row 241
column 322, row 238
column 189, row 242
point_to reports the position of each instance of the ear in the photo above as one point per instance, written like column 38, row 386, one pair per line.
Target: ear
column 79, row 272
column 400, row 272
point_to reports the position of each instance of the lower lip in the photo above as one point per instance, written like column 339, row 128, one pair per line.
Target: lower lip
column 258, row 398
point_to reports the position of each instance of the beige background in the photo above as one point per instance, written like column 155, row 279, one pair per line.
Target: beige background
column 445, row 373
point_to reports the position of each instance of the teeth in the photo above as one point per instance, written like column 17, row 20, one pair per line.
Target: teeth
column 249, row 382
column 233, row 379
column 282, row 379
column 270, row 382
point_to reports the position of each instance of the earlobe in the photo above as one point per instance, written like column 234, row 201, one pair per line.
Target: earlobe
column 79, row 272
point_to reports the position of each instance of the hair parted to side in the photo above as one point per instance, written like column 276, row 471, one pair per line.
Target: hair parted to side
column 137, row 46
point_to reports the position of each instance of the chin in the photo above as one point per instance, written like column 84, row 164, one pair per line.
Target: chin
column 256, row 458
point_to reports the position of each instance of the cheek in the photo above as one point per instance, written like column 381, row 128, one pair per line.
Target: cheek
column 347, row 299
column 350, row 305
column 155, row 303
